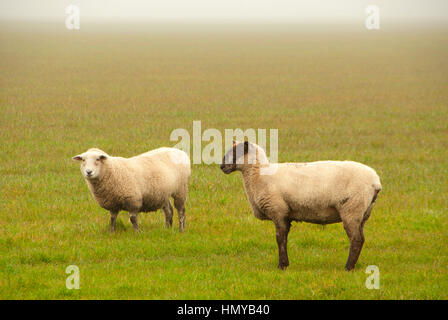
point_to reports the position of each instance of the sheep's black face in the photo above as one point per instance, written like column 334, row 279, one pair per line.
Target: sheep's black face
column 228, row 168
column 234, row 157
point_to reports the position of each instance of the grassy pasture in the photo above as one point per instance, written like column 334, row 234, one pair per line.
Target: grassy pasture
column 376, row 97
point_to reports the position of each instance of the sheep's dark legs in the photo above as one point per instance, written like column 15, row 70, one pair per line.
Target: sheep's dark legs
column 113, row 220
column 281, row 232
column 168, row 209
column 181, row 219
column 356, row 237
column 133, row 218
column 179, row 203
column 355, row 232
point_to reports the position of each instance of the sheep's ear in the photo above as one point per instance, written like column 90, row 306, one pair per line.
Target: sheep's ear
column 246, row 147
column 103, row 157
column 77, row 158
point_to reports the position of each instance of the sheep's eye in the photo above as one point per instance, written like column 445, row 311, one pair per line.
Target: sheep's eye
column 97, row 159
column 83, row 160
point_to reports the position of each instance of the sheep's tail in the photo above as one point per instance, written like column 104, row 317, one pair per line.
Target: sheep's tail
column 377, row 189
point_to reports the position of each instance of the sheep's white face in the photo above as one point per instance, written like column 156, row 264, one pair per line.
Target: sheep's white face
column 91, row 163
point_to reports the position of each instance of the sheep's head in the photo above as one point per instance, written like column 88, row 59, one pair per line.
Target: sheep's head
column 241, row 154
column 91, row 162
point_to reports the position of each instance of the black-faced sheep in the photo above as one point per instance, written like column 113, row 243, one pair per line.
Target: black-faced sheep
column 321, row 192
column 142, row 183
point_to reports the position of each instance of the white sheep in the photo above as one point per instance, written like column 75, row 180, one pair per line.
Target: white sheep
column 321, row 192
column 142, row 183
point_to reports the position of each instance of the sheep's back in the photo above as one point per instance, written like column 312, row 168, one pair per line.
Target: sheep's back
column 157, row 173
column 323, row 183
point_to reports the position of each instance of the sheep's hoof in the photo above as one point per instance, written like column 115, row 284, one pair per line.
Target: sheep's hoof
column 349, row 268
column 282, row 267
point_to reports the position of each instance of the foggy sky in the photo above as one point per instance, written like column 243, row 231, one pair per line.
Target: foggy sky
column 226, row 10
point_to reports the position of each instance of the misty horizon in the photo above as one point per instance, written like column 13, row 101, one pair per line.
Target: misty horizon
column 230, row 11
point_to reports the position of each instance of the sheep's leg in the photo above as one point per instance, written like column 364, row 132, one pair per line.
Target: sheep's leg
column 113, row 220
column 281, row 232
column 354, row 227
column 179, row 203
column 133, row 218
column 168, row 209
column 356, row 236
column 355, row 233
column 181, row 219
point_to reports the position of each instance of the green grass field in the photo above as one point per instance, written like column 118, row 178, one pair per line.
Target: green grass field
column 377, row 97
